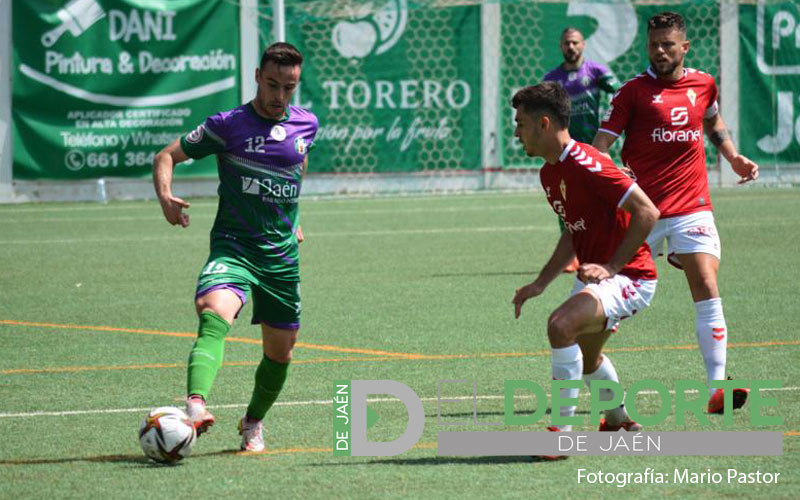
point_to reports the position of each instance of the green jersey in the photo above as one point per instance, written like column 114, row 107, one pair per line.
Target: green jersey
column 260, row 165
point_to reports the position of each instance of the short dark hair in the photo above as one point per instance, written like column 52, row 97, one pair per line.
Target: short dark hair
column 282, row 54
column 667, row 20
column 571, row 29
column 549, row 98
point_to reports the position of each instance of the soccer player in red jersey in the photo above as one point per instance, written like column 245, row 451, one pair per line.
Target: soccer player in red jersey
column 607, row 217
column 663, row 113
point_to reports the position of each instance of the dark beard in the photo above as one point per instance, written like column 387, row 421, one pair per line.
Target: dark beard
column 670, row 69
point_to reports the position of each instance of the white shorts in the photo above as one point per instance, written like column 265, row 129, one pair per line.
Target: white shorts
column 621, row 296
column 693, row 233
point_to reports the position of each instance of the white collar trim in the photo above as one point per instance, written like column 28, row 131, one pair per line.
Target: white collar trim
column 566, row 150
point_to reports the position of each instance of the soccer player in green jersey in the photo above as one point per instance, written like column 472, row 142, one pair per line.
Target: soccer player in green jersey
column 262, row 153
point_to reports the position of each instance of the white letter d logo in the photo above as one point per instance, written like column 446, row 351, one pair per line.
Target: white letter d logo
column 416, row 418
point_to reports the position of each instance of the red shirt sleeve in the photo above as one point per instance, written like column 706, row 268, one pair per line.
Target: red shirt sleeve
column 713, row 96
column 608, row 182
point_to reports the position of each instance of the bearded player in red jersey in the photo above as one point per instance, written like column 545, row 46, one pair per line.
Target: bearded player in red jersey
column 607, row 218
column 663, row 113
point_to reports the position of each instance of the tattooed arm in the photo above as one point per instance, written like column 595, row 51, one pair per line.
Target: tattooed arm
column 720, row 137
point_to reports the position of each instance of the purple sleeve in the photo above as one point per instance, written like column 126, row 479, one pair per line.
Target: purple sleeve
column 601, row 70
column 216, row 124
column 314, row 127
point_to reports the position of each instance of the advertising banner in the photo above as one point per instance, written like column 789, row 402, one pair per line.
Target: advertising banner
column 769, row 82
column 396, row 87
column 100, row 86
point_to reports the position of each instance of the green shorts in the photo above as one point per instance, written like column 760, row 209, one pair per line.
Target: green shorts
column 276, row 302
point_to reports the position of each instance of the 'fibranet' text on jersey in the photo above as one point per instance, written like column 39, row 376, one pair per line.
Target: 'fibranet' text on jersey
column 663, row 125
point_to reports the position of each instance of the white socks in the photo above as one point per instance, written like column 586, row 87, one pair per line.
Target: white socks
column 567, row 365
column 606, row 371
column 712, row 336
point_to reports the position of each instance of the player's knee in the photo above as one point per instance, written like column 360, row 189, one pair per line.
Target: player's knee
column 279, row 349
column 704, row 287
column 201, row 304
column 279, row 354
column 284, row 358
column 560, row 331
column 710, row 286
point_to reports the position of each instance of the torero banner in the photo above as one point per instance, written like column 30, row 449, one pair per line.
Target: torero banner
column 396, row 85
column 99, row 86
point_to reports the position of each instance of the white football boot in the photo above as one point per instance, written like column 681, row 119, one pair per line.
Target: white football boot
column 252, row 435
column 201, row 418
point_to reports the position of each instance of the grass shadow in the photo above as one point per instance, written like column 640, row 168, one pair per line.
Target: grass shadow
column 487, row 460
column 133, row 460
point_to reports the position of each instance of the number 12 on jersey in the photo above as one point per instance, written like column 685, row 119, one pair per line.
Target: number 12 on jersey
column 214, row 268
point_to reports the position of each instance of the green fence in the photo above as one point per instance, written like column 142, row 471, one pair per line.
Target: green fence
column 400, row 86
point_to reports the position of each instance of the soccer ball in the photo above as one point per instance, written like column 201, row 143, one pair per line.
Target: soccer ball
column 167, row 435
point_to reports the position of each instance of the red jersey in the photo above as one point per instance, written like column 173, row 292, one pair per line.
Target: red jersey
column 586, row 190
column 663, row 125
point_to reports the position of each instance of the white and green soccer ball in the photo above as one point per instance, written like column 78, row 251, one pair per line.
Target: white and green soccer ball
column 167, row 435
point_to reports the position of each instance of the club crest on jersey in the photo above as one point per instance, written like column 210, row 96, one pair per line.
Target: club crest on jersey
column 657, row 99
column 278, row 133
column 563, row 187
column 691, row 95
column 196, row 135
column 585, row 81
column 300, row 146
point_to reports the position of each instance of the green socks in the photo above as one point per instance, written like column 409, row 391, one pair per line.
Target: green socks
column 206, row 356
column 270, row 377
column 206, row 359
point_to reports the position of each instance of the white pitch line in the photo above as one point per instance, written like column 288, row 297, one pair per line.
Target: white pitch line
column 312, row 402
column 757, row 195
column 323, row 234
